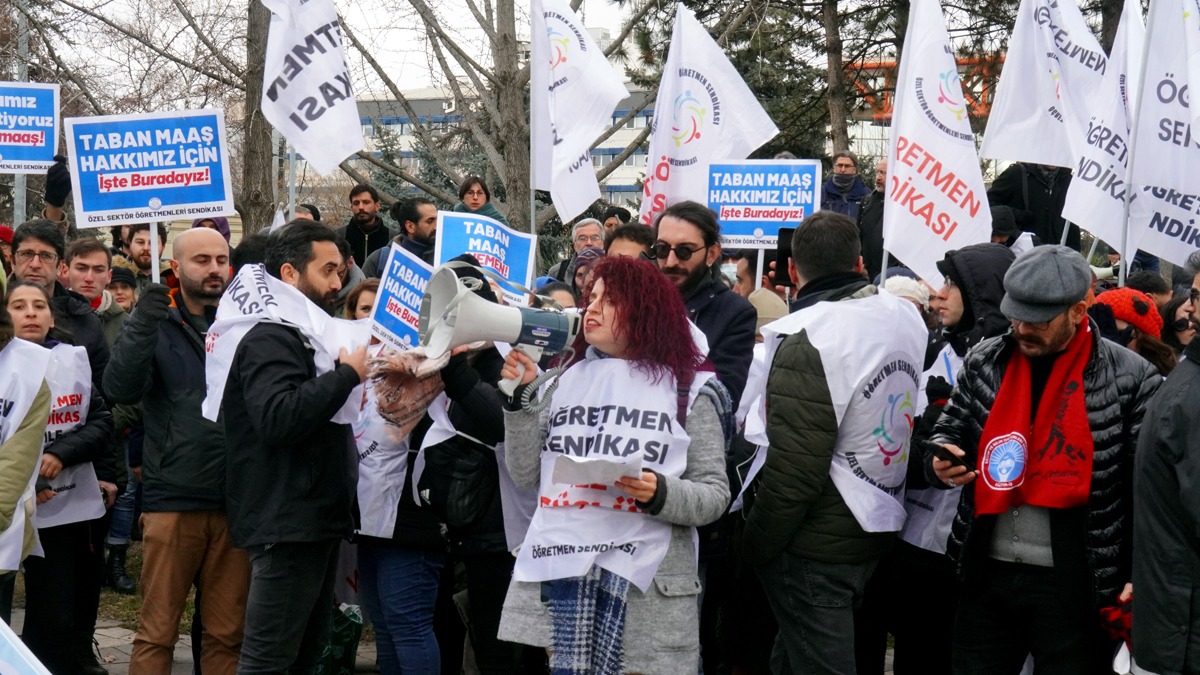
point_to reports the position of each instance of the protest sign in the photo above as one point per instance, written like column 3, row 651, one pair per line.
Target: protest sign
column 495, row 245
column 936, row 200
column 396, row 316
column 28, row 126
column 753, row 199
column 149, row 167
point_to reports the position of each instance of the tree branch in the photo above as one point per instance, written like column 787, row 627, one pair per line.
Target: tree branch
column 484, row 23
column 239, row 84
column 419, row 128
column 203, row 37
column 403, row 175
column 432, row 24
column 489, row 148
column 63, row 68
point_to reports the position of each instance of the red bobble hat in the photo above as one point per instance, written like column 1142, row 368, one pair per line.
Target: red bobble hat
column 1135, row 308
column 6, row 234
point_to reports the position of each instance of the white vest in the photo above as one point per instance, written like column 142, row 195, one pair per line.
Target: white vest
column 872, row 349
column 77, row 490
column 22, row 369
column 931, row 510
column 605, row 409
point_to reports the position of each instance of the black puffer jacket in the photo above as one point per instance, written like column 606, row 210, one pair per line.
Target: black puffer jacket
column 1093, row 541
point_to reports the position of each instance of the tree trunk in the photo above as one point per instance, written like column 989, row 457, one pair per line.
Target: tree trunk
column 256, row 202
column 1110, row 17
column 513, row 125
column 836, row 91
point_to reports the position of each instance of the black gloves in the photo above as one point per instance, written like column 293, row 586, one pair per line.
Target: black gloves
column 154, row 303
column 938, row 390
column 58, row 182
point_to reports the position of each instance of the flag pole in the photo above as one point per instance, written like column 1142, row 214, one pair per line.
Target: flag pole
column 1126, row 256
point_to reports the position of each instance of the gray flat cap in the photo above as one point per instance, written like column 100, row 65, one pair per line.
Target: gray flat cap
column 1042, row 283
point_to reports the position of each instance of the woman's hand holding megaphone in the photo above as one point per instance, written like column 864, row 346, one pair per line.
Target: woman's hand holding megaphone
column 518, row 365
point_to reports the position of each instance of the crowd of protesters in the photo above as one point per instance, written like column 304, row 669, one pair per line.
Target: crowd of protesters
column 995, row 468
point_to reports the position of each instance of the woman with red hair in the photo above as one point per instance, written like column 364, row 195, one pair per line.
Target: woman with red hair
column 628, row 459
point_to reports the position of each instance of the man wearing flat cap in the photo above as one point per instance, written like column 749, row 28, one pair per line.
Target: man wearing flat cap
column 1044, row 419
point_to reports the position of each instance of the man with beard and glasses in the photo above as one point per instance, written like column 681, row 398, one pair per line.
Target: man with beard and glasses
column 686, row 246
column 289, row 475
column 366, row 230
column 1044, row 419
column 158, row 362
column 418, row 219
column 141, row 259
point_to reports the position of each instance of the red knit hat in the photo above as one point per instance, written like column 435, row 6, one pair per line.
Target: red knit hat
column 1135, row 308
column 6, row 234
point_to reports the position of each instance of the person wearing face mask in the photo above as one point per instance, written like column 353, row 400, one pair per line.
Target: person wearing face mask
column 844, row 191
column 1139, row 326
column 606, row 577
column 74, row 487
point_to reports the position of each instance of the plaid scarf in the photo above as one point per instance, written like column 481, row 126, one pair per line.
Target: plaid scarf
column 587, row 617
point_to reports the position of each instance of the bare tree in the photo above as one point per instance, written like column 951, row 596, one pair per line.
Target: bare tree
column 836, row 93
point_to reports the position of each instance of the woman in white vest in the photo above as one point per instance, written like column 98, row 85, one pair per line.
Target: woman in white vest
column 62, row 585
column 24, row 407
column 628, row 457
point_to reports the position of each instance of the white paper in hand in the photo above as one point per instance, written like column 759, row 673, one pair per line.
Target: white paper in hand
column 570, row 470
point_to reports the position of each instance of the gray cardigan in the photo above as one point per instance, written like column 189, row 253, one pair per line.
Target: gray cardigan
column 662, row 626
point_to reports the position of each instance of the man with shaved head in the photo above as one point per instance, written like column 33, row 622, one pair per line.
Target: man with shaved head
column 185, row 533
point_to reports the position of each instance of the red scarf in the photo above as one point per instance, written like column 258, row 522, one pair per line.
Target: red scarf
column 1054, row 469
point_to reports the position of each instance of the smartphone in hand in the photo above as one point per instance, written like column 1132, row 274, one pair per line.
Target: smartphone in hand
column 783, row 253
column 943, row 453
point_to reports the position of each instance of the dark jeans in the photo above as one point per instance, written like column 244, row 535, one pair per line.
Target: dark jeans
column 814, row 603
column 289, row 607
column 898, row 601
column 488, row 576
column 62, row 594
column 1015, row 610
column 398, row 587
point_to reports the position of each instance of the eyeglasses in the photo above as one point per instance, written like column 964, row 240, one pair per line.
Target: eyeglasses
column 585, row 238
column 1033, row 325
column 27, row 255
column 476, row 193
column 683, row 251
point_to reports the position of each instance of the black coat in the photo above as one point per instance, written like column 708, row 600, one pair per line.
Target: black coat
column 289, row 469
column 1037, row 202
column 870, row 232
column 363, row 243
column 82, row 328
column 158, row 361
column 728, row 321
column 1091, row 544
column 1166, row 526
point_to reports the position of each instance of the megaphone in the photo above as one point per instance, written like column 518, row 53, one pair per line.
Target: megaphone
column 452, row 315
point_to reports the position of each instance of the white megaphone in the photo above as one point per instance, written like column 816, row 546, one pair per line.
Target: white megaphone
column 452, row 315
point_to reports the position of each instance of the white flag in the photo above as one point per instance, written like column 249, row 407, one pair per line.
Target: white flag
column 936, row 200
column 1164, row 216
column 574, row 90
column 704, row 113
column 306, row 84
column 1052, row 70
column 1096, row 198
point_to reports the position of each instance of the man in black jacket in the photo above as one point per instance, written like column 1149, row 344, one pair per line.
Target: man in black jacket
column 1036, row 193
column 290, row 470
column 418, row 218
column 158, row 361
column 870, row 222
column 366, row 232
column 38, row 256
column 1044, row 419
column 1166, row 562
column 686, row 247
